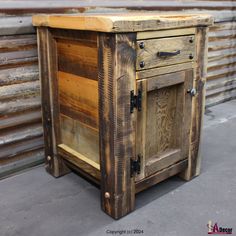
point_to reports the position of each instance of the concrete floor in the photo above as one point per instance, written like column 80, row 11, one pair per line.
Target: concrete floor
column 35, row 204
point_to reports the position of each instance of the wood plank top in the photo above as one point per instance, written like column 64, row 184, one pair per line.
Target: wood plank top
column 121, row 22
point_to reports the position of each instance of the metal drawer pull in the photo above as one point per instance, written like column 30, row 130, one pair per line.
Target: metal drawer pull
column 168, row 54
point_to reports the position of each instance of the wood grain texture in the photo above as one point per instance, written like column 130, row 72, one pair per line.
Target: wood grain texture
column 168, row 158
column 48, row 78
column 78, row 56
column 142, row 74
column 82, row 162
column 117, row 124
column 161, row 120
column 197, row 104
column 78, row 98
column 149, row 54
column 119, row 22
column 158, row 82
column 160, row 176
column 164, row 122
column 79, row 137
column 165, row 33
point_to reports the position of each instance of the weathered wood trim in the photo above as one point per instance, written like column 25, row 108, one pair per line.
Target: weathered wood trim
column 198, row 103
column 117, row 125
column 165, row 33
column 162, row 81
column 164, row 70
column 82, row 162
column 48, row 79
column 132, row 22
column 157, row 163
column 160, row 176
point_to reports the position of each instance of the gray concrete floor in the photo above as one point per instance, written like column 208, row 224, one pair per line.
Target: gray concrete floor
column 35, row 204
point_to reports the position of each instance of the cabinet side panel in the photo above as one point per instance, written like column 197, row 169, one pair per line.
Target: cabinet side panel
column 78, row 92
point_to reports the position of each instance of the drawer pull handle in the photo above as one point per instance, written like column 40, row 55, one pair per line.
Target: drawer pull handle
column 168, row 54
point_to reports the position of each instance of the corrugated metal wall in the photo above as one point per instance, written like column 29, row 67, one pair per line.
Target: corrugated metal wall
column 21, row 143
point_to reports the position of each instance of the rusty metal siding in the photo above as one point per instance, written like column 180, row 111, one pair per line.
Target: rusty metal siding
column 21, row 143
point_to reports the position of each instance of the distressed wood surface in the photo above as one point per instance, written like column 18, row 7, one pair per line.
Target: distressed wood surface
column 165, row 33
column 78, row 98
column 142, row 74
column 160, row 176
column 77, row 84
column 82, row 162
column 194, row 159
column 84, row 63
column 164, row 123
column 149, row 54
column 131, row 22
column 157, row 163
column 48, row 78
column 117, row 124
column 80, row 137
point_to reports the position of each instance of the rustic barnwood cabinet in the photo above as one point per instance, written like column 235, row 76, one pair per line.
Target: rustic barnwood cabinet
column 122, row 98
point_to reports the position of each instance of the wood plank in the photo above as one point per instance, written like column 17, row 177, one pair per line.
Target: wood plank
column 81, row 172
column 166, row 80
column 117, row 124
column 149, row 54
column 165, row 33
column 141, row 129
column 78, row 98
column 80, row 138
column 163, row 70
column 78, row 57
column 121, row 22
column 186, row 111
column 161, row 121
column 160, row 176
column 87, row 165
column 198, row 101
column 166, row 159
column 48, row 68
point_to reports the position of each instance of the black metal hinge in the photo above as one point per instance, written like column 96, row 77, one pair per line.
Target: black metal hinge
column 135, row 166
column 135, row 101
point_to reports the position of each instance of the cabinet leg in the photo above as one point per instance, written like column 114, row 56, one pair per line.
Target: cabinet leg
column 55, row 166
column 116, row 123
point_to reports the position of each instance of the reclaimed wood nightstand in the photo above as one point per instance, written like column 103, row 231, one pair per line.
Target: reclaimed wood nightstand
column 122, row 98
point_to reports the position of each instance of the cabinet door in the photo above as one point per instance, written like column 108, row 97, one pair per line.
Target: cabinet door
column 163, row 124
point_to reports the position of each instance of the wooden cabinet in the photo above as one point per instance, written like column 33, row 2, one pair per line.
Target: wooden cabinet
column 122, row 99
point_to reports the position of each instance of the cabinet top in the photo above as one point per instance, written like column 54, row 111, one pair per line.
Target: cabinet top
column 121, row 22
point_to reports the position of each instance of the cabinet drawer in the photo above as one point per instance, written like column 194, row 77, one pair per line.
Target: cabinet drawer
column 164, row 51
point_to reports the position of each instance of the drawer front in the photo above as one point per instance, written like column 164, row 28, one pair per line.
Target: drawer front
column 164, row 51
